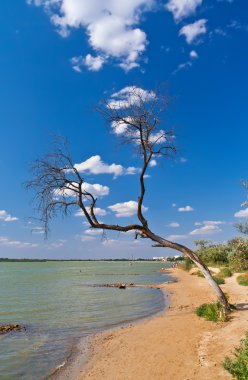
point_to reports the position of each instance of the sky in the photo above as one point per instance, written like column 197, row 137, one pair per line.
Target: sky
column 60, row 58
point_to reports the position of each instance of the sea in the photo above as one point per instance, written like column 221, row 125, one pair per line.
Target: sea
column 59, row 305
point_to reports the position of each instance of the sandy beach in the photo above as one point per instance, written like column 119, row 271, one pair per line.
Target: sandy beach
column 175, row 344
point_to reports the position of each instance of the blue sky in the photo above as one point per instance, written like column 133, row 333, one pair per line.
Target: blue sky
column 60, row 58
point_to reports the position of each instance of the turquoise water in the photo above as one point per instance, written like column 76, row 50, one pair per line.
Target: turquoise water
column 55, row 303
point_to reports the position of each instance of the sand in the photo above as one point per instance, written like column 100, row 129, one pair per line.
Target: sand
column 174, row 345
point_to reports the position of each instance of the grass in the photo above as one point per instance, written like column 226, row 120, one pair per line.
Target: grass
column 243, row 280
column 238, row 366
column 211, row 312
column 225, row 272
column 219, row 280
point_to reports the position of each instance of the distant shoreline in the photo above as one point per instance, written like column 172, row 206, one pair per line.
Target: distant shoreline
column 24, row 260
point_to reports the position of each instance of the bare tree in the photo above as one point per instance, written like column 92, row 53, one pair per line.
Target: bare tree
column 135, row 116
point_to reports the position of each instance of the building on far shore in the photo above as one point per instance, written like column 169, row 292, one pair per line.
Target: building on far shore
column 166, row 258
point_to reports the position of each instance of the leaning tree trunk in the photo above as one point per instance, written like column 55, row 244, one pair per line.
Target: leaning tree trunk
column 199, row 263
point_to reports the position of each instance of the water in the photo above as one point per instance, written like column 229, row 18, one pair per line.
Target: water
column 55, row 303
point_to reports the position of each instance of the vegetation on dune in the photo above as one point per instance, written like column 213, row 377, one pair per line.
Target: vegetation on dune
column 243, row 279
column 211, row 312
column 219, row 280
column 233, row 255
column 225, row 272
column 238, row 365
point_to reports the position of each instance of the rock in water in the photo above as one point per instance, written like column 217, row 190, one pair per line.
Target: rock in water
column 8, row 328
column 122, row 286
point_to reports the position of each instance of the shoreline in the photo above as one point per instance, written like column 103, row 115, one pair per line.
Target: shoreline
column 82, row 351
column 174, row 344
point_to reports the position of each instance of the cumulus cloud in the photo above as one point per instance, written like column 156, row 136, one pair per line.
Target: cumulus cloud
column 129, row 95
column 95, row 165
column 4, row 215
column 176, row 237
column 98, row 212
column 92, row 63
column 95, row 189
column 241, row 213
column 193, row 54
column 209, row 222
column 93, row 232
column 125, row 209
column 182, row 8
column 185, row 209
column 153, row 163
column 110, row 26
column 192, row 31
column 16, row 243
column 174, row 225
column 126, row 98
column 206, row 230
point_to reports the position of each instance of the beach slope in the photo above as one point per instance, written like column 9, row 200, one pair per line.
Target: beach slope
column 174, row 345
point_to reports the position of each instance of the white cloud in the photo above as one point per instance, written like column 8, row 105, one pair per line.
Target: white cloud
column 95, row 165
column 182, row 8
column 185, row 209
column 206, row 230
column 130, row 95
column 126, row 98
column 86, row 238
column 173, row 205
column 209, row 222
column 182, row 66
column 7, row 217
column 97, row 210
column 241, row 213
column 95, row 189
column 110, row 26
column 16, row 243
column 176, row 237
column 192, row 31
column 193, row 54
column 56, row 245
column 92, row 63
column 153, row 163
column 174, row 225
column 126, row 209
column 93, row 232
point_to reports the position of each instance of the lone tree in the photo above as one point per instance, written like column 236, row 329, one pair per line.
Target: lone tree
column 135, row 117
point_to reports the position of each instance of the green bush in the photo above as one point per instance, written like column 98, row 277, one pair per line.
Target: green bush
column 233, row 254
column 238, row 366
column 243, row 279
column 238, row 254
column 225, row 272
column 219, row 280
column 214, row 254
column 211, row 312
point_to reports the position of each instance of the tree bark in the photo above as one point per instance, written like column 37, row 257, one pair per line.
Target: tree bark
column 198, row 262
